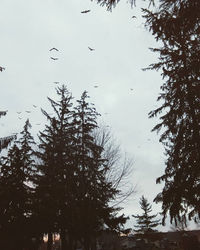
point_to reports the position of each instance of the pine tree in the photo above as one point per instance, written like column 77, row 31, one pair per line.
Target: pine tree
column 72, row 192
column 177, row 26
column 145, row 222
column 93, row 190
column 16, row 190
column 53, row 184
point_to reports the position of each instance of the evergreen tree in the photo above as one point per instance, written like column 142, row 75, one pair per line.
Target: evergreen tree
column 145, row 222
column 53, row 183
column 93, row 190
column 15, row 194
column 177, row 26
column 72, row 192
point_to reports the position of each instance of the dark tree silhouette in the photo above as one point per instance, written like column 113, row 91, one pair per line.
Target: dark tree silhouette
column 72, row 192
column 16, row 191
column 177, row 25
column 53, row 189
column 94, row 190
column 145, row 222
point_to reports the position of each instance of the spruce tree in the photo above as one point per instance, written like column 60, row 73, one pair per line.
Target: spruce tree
column 94, row 192
column 177, row 25
column 72, row 192
column 145, row 222
column 16, row 191
column 53, row 183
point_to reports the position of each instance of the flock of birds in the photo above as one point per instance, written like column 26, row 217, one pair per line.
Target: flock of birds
column 56, row 58
column 28, row 112
column 54, row 49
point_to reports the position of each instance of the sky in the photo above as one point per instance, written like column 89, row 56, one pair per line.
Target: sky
column 29, row 29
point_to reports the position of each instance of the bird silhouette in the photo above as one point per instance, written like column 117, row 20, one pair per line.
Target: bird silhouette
column 56, row 82
column 53, row 49
column 96, row 86
column 34, row 106
column 1, row 68
column 134, row 17
column 91, row 49
column 27, row 111
column 85, row 11
column 20, row 118
column 131, row 89
column 54, row 58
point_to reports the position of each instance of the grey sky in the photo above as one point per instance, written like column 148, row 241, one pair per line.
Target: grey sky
column 30, row 28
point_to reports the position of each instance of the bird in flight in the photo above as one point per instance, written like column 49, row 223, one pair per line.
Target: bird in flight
column 56, row 82
column 91, row 49
column 131, row 89
column 1, row 68
column 134, row 17
column 27, row 111
column 54, row 58
column 34, row 106
column 19, row 118
column 96, row 86
column 85, row 11
column 53, row 49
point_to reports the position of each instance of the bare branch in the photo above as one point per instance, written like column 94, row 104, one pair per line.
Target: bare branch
column 120, row 165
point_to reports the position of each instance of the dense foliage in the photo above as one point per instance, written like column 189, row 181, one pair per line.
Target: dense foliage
column 177, row 24
column 16, row 192
column 62, row 186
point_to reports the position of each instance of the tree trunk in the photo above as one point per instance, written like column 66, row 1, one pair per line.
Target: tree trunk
column 50, row 241
column 86, row 244
column 63, row 240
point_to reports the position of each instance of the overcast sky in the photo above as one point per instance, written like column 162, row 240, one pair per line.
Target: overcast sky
column 30, row 28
